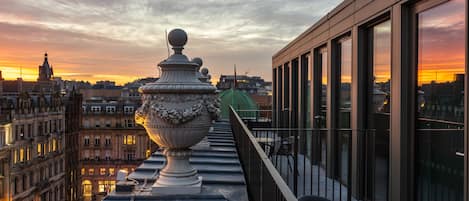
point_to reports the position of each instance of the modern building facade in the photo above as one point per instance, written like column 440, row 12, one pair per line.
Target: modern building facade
column 392, row 74
column 109, row 140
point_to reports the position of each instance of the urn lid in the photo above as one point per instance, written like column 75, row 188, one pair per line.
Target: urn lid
column 178, row 72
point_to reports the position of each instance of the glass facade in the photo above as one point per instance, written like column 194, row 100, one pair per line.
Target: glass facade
column 440, row 102
column 427, row 115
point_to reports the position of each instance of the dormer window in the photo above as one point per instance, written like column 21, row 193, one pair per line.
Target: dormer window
column 95, row 109
column 110, row 109
column 128, row 109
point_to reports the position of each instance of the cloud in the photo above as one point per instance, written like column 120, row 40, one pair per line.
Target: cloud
column 118, row 37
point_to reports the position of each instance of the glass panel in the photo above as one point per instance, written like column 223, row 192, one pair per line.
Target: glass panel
column 307, row 71
column 279, row 96
column 440, row 102
column 323, row 110
column 286, row 96
column 379, row 113
column 345, row 83
column 294, row 94
column 344, row 109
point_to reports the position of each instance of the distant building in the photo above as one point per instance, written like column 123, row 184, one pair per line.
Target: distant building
column 32, row 139
column 248, row 84
column 45, row 70
column 110, row 140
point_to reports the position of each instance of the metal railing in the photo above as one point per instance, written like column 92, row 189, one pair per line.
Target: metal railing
column 263, row 180
column 256, row 118
column 307, row 162
column 439, row 164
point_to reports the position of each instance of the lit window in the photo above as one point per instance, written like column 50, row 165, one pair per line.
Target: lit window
column 39, row 149
column 83, row 171
column 21, row 155
column 102, row 171
column 129, row 139
column 148, row 153
column 28, row 154
column 91, row 171
column 54, row 144
column 15, row 157
column 111, row 171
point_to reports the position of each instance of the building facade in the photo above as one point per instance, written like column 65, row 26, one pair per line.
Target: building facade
column 109, row 140
column 33, row 133
column 73, row 115
column 392, row 75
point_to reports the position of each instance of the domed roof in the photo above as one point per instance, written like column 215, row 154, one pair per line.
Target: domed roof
column 239, row 100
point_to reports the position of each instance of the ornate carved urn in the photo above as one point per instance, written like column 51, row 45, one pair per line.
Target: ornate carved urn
column 177, row 112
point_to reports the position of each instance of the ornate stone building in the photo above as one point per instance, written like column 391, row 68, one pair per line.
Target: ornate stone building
column 32, row 139
column 110, row 140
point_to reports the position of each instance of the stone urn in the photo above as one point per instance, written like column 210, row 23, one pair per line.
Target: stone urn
column 177, row 112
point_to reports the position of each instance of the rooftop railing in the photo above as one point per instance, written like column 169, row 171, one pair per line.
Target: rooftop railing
column 263, row 180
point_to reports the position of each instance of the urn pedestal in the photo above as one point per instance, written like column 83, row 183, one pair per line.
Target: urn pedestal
column 177, row 112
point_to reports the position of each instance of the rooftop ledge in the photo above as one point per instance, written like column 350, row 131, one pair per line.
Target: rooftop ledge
column 218, row 164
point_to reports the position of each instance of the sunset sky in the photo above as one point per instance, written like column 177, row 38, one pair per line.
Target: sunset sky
column 123, row 40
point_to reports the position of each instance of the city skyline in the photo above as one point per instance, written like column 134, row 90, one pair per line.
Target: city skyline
column 75, row 33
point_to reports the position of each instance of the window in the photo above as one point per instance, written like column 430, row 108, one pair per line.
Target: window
column 342, row 62
column 320, row 75
column 147, row 153
column 97, row 141
column 111, row 171
column 91, row 171
column 130, row 155
column 39, row 149
column 305, row 90
column 21, row 159
column 102, row 171
column 87, row 140
column 110, row 109
column 108, row 155
column 86, row 154
column 95, row 109
column 439, row 101
column 83, row 171
column 377, row 72
column 107, row 141
column 129, row 139
column 129, row 123
column 106, row 186
column 128, row 109
column 54, row 144
column 97, row 154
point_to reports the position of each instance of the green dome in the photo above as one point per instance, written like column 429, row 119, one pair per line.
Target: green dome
column 239, row 100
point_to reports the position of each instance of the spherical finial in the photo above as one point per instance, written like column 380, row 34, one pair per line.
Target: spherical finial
column 177, row 37
column 198, row 61
column 204, row 71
